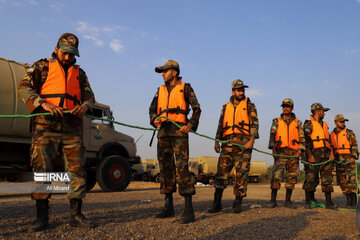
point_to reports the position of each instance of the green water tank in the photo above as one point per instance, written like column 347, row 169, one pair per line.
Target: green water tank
column 11, row 73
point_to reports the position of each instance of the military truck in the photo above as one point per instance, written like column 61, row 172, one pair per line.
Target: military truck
column 257, row 169
column 142, row 172
column 147, row 170
column 204, row 168
column 108, row 154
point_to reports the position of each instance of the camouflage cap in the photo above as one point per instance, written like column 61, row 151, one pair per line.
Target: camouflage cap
column 69, row 43
column 238, row 84
column 171, row 64
column 340, row 118
column 316, row 106
column 287, row 102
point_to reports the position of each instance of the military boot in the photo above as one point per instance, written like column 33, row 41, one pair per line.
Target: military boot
column 236, row 208
column 168, row 209
column 273, row 203
column 216, row 206
column 77, row 218
column 188, row 215
column 348, row 201
column 308, row 200
column 288, row 202
column 313, row 197
column 353, row 200
column 42, row 216
column 329, row 204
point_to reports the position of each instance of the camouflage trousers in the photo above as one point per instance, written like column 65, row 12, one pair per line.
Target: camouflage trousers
column 282, row 164
column 346, row 174
column 49, row 142
column 312, row 174
column 173, row 156
column 233, row 156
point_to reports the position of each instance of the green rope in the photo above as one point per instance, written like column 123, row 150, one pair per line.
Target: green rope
column 321, row 205
column 155, row 129
column 235, row 144
column 226, row 141
column 65, row 112
column 315, row 164
column 120, row 123
column 29, row 115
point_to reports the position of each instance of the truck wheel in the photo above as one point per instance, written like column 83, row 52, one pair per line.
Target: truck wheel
column 113, row 173
column 255, row 179
column 90, row 180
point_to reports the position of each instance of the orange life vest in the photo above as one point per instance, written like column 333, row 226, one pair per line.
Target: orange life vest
column 320, row 134
column 57, row 90
column 236, row 119
column 288, row 136
column 340, row 142
column 172, row 105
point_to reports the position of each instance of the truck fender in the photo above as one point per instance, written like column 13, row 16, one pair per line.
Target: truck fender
column 112, row 148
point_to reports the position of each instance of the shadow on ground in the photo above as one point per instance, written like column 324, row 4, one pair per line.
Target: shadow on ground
column 280, row 228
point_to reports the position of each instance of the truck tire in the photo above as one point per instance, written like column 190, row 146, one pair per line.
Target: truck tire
column 90, row 180
column 113, row 173
column 254, row 179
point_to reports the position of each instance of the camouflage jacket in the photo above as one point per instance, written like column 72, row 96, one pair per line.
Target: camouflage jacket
column 254, row 122
column 307, row 133
column 30, row 86
column 168, row 129
column 353, row 143
column 274, row 128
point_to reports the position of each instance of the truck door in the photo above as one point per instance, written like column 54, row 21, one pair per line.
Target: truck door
column 100, row 131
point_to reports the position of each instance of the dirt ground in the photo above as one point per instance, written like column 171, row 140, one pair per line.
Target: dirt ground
column 130, row 215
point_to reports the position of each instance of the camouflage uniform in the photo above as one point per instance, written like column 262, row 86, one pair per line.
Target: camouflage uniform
column 312, row 172
column 173, row 142
column 345, row 171
column 234, row 156
column 283, row 163
column 55, row 136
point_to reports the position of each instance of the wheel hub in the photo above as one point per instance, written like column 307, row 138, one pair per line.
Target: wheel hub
column 117, row 173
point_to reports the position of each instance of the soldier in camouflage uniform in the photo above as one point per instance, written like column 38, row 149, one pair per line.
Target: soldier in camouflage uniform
column 172, row 100
column 59, row 134
column 285, row 139
column 318, row 150
column 239, row 124
column 346, row 151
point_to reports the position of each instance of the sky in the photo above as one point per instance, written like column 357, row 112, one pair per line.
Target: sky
column 301, row 49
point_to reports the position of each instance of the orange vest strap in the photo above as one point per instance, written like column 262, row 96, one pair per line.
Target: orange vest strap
column 240, row 126
column 176, row 110
column 62, row 96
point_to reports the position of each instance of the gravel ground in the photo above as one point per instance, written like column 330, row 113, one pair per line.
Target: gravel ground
column 130, row 215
